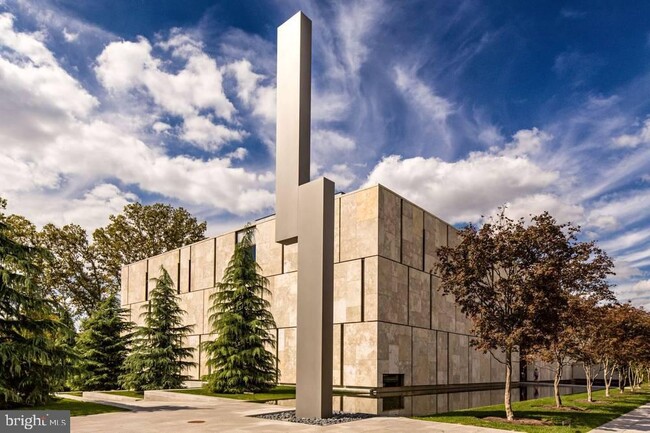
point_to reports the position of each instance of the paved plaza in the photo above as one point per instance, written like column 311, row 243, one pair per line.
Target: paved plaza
column 232, row 416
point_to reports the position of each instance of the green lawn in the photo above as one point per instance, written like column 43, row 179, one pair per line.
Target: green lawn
column 76, row 408
column 591, row 416
column 74, row 393
column 133, row 394
column 277, row 393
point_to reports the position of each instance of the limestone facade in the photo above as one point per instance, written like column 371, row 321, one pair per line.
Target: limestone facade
column 389, row 317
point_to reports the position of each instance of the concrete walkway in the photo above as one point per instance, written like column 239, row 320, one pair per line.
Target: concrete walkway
column 632, row 422
column 232, row 416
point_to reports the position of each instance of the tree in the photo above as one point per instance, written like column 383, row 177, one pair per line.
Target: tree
column 142, row 231
column 509, row 278
column 587, row 334
column 103, row 346
column 582, row 280
column 158, row 357
column 74, row 272
column 239, row 358
column 33, row 358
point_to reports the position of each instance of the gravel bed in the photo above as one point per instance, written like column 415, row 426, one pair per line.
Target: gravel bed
column 336, row 418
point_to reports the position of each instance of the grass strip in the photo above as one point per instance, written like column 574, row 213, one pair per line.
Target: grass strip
column 277, row 393
column 578, row 416
column 76, row 408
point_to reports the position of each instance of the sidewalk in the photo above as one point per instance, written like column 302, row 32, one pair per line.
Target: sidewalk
column 225, row 415
column 632, row 422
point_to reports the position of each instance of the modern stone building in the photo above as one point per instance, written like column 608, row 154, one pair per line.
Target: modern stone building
column 395, row 336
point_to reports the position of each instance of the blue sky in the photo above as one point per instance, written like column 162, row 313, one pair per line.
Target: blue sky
column 459, row 106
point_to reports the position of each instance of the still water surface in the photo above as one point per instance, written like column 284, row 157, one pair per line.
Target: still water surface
column 437, row 403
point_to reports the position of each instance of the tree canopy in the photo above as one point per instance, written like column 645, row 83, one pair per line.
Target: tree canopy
column 142, row 231
column 102, row 346
column 158, row 357
column 513, row 279
column 33, row 351
column 239, row 357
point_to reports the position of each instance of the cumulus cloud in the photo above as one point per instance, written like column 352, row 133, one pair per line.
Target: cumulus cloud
column 60, row 148
column 464, row 190
column 90, row 210
column 195, row 89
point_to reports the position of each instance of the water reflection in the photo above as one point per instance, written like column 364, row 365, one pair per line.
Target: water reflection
column 428, row 404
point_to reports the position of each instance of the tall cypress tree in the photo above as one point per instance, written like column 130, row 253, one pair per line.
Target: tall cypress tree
column 32, row 362
column 158, row 358
column 103, row 346
column 241, row 320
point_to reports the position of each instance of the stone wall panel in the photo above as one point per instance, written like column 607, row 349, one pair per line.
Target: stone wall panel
column 268, row 252
column 435, row 237
column 389, row 224
column 412, row 235
column 419, row 299
column 443, row 308
column 137, row 282
column 284, row 298
column 202, row 265
column 424, row 357
column 287, row 355
column 169, row 261
column 359, row 224
column 458, row 359
column 347, row 291
column 225, row 247
column 394, row 351
column 360, row 354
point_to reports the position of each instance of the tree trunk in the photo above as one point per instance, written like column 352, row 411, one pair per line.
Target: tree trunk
column 506, row 398
column 608, row 380
column 556, row 385
column 621, row 379
column 587, row 368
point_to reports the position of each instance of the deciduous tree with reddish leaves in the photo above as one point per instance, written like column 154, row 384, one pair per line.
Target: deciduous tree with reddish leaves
column 514, row 280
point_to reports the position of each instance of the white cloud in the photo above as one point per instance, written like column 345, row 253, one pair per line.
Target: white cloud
column 250, row 90
column 619, row 210
column 208, row 136
column 342, row 176
column 239, row 153
column 535, row 204
column 354, row 23
column 642, row 136
column 160, row 127
column 69, row 36
column 90, row 211
column 527, row 142
column 466, row 189
column 195, row 92
column 638, row 292
column 627, row 240
column 417, row 92
column 325, row 141
column 59, row 148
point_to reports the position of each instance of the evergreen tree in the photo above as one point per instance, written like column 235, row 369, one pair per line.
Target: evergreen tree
column 32, row 360
column 158, row 358
column 240, row 318
column 103, row 346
